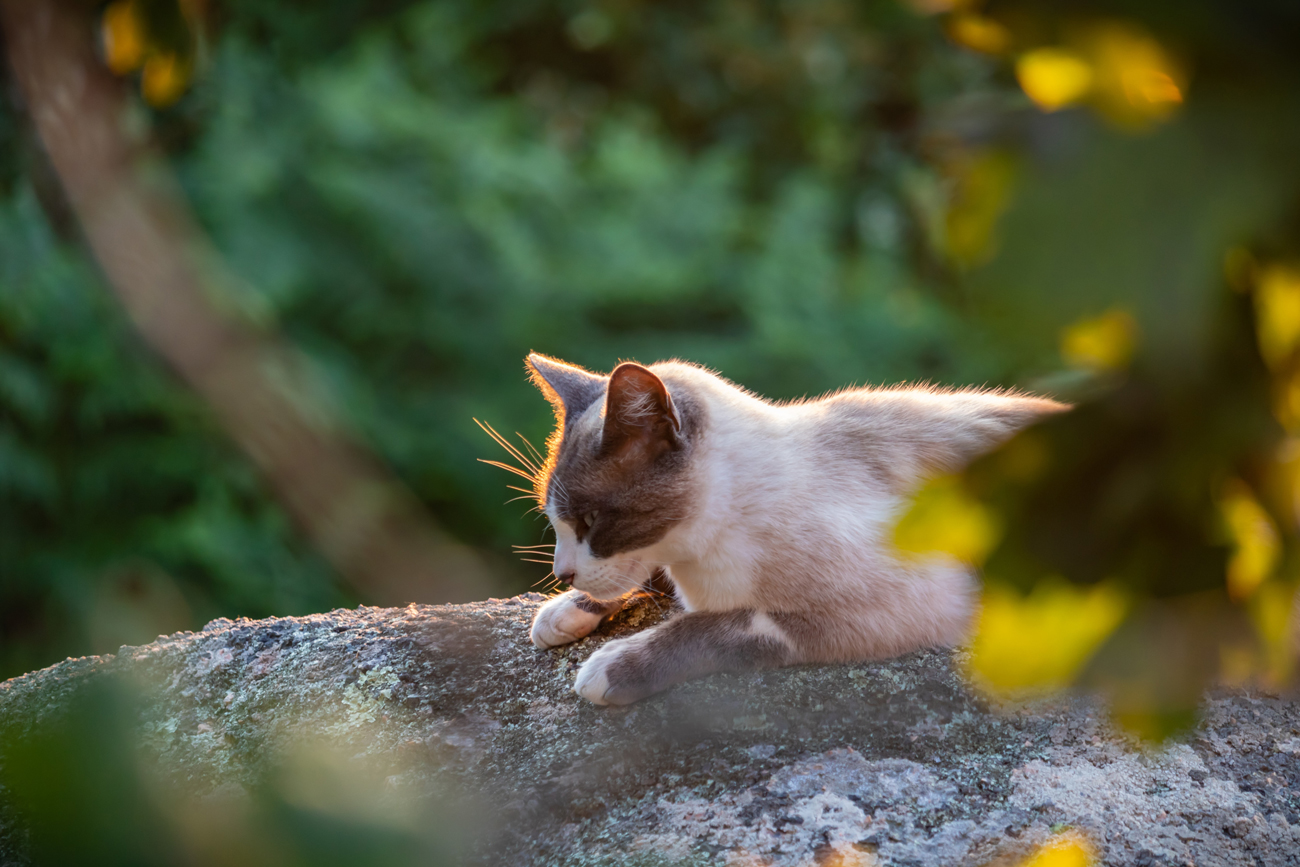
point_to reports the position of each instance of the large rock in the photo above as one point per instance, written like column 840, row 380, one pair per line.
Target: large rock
column 428, row 734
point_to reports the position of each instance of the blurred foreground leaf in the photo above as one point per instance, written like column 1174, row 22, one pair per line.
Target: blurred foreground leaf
column 1069, row 849
column 1042, row 640
column 945, row 519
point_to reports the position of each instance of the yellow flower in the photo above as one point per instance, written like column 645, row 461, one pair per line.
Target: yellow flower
column 1105, row 342
column 944, row 519
column 124, row 38
column 164, row 79
column 1054, row 77
column 1255, row 545
column 1277, row 313
column 1042, row 640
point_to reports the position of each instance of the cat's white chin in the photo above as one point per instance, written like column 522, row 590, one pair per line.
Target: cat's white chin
column 612, row 581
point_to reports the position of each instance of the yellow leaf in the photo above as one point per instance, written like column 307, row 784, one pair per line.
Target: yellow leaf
column 1255, row 545
column 124, row 37
column 982, row 194
column 979, row 33
column 1054, row 77
column 165, row 77
column 1064, row 850
column 1105, row 342
column 1125, row 74
column 1136, row 80
column 944, row 519
column 1274, row 610
column 1042, row 640
column 1277, row 313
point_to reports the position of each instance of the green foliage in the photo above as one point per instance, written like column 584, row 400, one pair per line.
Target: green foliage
column 112, row 477
column 800, row 195
column 416, row 232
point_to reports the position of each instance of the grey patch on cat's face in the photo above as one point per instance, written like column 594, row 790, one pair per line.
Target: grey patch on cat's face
column 636, row 502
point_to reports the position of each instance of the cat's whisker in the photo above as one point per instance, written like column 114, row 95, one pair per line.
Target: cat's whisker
column 537, row 456
column 524, row 460
column 558, row 492
column 518, row 472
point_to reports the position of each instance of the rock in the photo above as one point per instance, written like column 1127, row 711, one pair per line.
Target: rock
column 436, row 733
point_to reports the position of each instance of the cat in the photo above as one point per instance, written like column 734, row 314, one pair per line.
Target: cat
column 771, row 521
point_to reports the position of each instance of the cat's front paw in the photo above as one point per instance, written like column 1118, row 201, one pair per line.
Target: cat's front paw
column 609, row 675
column 564, row 620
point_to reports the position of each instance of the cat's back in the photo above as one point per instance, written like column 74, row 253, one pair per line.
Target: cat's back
column 826, row 442
column 853, row 436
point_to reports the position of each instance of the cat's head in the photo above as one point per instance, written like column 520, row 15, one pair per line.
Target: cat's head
column 618, row 472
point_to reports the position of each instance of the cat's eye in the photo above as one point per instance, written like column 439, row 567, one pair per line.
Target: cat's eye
column 589, row 518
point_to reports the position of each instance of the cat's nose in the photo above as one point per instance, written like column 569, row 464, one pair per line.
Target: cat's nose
column 566, row 577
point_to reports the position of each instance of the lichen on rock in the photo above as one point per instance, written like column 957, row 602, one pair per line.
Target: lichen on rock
column 443, row 734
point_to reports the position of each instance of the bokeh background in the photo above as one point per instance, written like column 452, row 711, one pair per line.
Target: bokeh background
column 1095, row 200
column 365, row 214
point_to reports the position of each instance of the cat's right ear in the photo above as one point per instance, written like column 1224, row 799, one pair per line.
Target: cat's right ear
column 569, row 388
column 640, row 417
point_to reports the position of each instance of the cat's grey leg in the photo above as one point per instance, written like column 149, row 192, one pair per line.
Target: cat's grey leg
column 568, row 617
column 689, row 646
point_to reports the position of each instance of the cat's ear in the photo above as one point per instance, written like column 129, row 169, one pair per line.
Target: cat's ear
column 569, row 388
column 639, row 413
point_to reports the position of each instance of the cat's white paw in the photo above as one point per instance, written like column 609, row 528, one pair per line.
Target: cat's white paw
column 561, row 621
column 597, row 681
column 593, row 678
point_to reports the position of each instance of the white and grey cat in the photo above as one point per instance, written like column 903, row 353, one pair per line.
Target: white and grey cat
column 772, row 521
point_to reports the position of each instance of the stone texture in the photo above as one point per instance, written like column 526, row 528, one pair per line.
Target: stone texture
column 448, row 715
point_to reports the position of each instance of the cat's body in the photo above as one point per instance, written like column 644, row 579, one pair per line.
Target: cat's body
column 773, row 521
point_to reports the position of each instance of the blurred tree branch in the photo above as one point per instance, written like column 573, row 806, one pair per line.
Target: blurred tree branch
column 169, row 280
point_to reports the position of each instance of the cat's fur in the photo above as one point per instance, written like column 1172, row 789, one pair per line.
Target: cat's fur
column 772, row 521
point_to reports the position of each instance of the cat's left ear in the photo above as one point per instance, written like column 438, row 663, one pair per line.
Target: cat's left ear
column 569, row 388
column 639, row 413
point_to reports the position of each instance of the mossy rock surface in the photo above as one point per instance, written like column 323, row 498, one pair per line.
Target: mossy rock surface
column 443, row 727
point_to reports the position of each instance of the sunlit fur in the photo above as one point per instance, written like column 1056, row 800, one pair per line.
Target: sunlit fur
column 791, row 507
